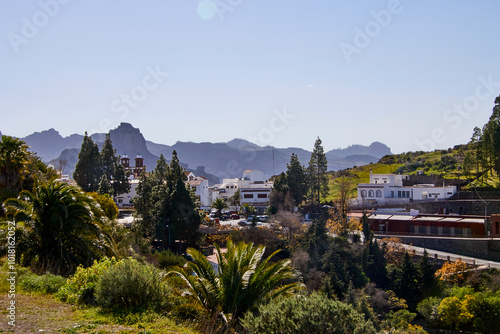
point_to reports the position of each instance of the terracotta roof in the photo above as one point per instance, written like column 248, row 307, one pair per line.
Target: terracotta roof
column 195, row 182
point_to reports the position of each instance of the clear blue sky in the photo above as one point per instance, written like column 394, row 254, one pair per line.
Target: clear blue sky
column 411, row 74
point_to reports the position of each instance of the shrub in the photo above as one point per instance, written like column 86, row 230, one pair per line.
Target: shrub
column 168, row 259
column 486, row 312
column 131, row 285
column 428, row 308
column 312, row 314
column 47, row 284
column 80, row 288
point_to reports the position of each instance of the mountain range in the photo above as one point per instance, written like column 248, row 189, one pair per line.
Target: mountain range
column 214, row 161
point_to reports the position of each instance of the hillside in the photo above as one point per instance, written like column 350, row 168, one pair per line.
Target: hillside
column 432, row 167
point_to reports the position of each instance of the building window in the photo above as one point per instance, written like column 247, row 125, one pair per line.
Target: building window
column 370, row 193
column 248, row 196
column 261, row 195
column 363, row 193
column 379, row 193
column 392, row 194
column 399, row 194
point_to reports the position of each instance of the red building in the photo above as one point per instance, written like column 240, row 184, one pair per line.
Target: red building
column 428, row 224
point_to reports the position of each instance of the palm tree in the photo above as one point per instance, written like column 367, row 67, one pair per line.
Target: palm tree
column 13, row 159
column 242, row 280
column 62, row 228
column 219, row 204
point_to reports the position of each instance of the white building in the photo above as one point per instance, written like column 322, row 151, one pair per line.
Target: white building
column 125, row 200
column 389, row 189
column 199, row 185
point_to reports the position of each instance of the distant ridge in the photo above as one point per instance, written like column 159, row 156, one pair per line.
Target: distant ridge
column 212, row 160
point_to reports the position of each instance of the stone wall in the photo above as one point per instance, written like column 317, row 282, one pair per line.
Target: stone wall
column 461, row 207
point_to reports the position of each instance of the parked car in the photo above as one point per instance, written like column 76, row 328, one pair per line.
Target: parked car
column 243, row 223
column 235, row 216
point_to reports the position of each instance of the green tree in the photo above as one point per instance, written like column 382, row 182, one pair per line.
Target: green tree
column 341, row 263
column 121, row 184
column 242, row 281
column 107, row 158
column 62, row 228
column 104, row 186
column 247, row 210
column 88, row 168
column 374, row 263
column 405, row 280
column 296, row 179
column 315, row 313
column 219, row 204
column 316, row 241
column 13, row 160
column 367, row 232
column 427, row 273
column 112, row 169
column 317, row 176
column 163, row 199
column 183, row 216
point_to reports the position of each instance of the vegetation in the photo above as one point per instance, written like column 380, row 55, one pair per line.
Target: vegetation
column 242, row 280
column 219, row 204
column 317, row 177
column 62, row 228
column 315, row 313
column 166, row 207
column 130, row 285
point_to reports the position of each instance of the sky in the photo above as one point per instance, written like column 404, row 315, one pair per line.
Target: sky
column 414, row 75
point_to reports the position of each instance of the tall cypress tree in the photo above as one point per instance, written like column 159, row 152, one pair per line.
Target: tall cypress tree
column 112, row 169
column 317, row 174
column 107, row 158
column 88, row 171
column 296, row 179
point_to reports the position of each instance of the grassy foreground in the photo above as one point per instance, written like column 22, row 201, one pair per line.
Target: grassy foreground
column 37, row 313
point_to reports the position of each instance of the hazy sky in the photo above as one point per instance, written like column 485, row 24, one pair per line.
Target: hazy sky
column 411, row 74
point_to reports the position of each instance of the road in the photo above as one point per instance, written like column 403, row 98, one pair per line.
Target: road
column 452, row 257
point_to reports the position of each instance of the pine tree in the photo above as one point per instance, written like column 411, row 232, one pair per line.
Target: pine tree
column 121, row 184
column 88, row 171
column 105, row 186
column 176, row 171
column 107, row 158
column 427, row 273
column 317, row 174
column 296, row 179
column 163, row 200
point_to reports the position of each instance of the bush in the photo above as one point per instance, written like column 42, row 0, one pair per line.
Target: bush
column 168, row 259
column 428, row 308
column 131, row 285
column 47, row 284
column 80, row 288
column 312, row 314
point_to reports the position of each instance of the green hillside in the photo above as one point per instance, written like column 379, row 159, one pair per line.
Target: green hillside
column 448, row 164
